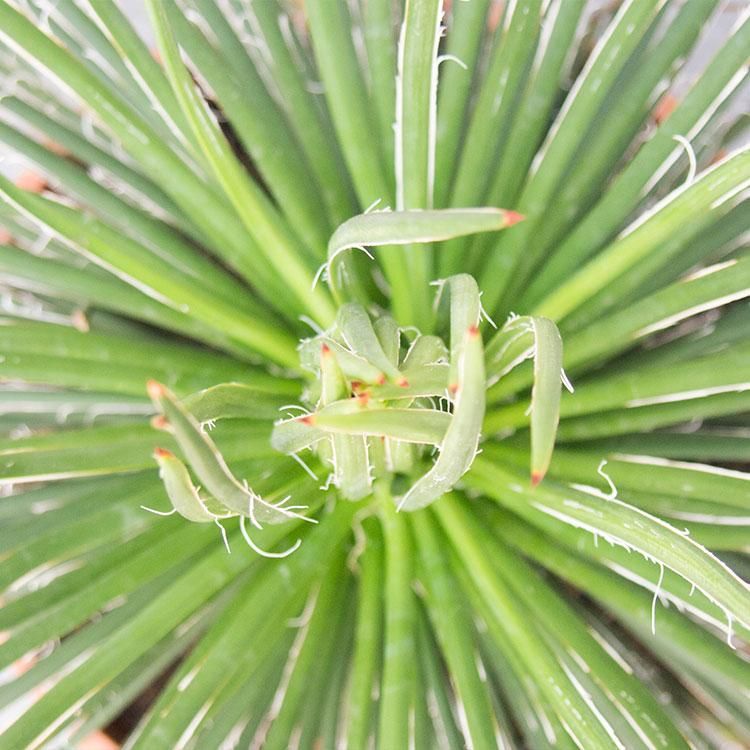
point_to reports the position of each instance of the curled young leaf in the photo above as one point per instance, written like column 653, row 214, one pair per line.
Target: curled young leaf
column 459, row 446
column 425, row 350
column 415, row 226
column 389, row 336
column 411, row 425
column 545, row 395
column 183, row 494
column 208, row 463
column 518, row 340
column 332, row 382
column 465, row 310
column 232, row 401
column 428, row 380
column 351, row 466
column 293, row 435
column 359, row 334
column 352, row 365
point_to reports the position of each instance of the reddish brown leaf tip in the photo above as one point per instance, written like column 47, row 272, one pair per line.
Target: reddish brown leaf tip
column 473, row 331
column 155, row 389
column 664, row 107
column 160, row 422
column 80, row 321
column 363, row 398
column 31, row 181
column 402, row 382
column 380, row 379
column 162, row 453
column 453, row 389
column 307, row 419
column 55, row 147
column 325, row 350
column 512, row 217
column 495, row 16
column 536, row 477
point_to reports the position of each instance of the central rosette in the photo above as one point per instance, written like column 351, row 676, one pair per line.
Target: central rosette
column 390, row 403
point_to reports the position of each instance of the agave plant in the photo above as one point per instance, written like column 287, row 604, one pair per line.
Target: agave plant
column 302, row 285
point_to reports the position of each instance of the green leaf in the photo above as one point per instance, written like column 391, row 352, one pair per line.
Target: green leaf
column 351, row 466
column 359, row 709
column 506, row 615
column 262, row 609
column 410, row 425
column 518, row 340
column 176, row 602
column 630, row 527
column 466, row 25
column 718, row 83
column 681, row 211
column 182, row 494
column 459, row 446
column 465, row 313
column 239, row 400
column 676, row 634
column 416, row 226
column 513, row 257
column 72, row 610
column 261, row 220
column 196, row 199
column 358, row 333
column 628, row 705
column 210, row 465
column 545, row 395
column 415, row 125
column 619, row 123
column 378, row 29
column 396, row 688
column 546, row 78
column 720, row 285
column 57, row 130
column 262, row 128
column 321, row 636
column 170, row 232
column 455, row 632
column 137, row 266
column 311, row 123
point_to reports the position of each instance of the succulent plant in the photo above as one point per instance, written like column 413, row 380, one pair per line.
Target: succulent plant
column 308, row 284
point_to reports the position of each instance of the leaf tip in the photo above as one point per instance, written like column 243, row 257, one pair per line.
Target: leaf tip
column 31, row 182
column 363, row 398
column 512, row 217
column 155, row 389
column 536, row 478
column 162, row 454
column 160, row 422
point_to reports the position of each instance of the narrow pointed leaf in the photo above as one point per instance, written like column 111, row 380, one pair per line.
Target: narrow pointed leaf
column 458, row 448
column 181, row 492
column 411, row 425
column 545, row 395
